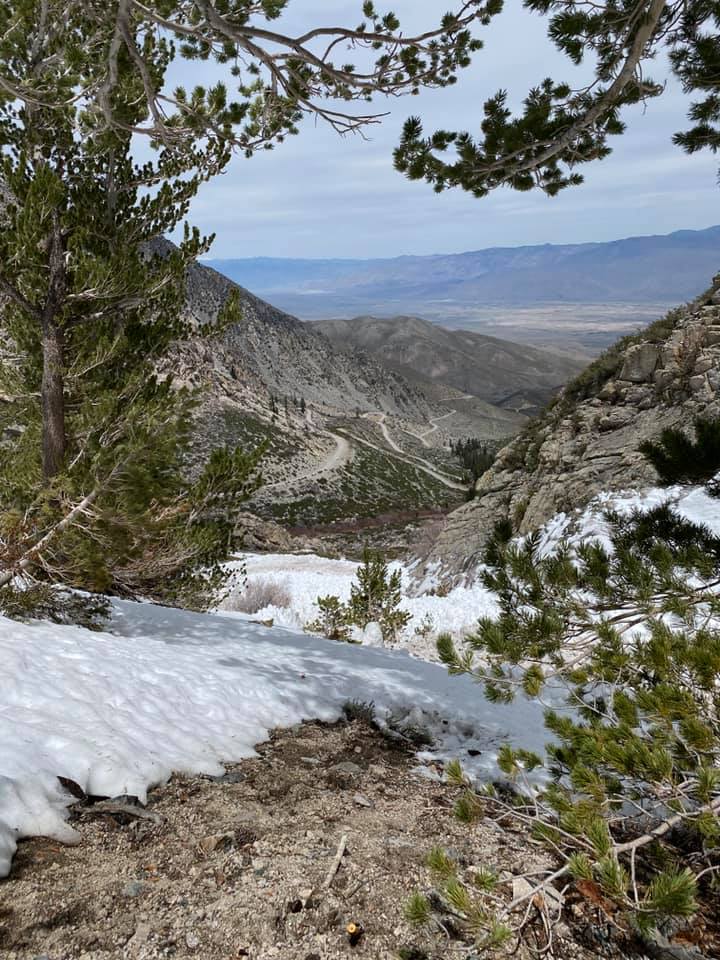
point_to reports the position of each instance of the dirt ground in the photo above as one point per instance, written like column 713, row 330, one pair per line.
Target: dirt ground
column 243, row 866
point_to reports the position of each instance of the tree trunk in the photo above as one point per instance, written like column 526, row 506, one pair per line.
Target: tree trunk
column 53, row 399
column 53, row 346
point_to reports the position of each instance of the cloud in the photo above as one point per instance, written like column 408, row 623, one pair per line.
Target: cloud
column 320, row 195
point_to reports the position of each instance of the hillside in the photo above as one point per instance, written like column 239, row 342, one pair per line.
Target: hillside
column 588, row 440
column 655, row 269
column 503, row 373
column 348, row 437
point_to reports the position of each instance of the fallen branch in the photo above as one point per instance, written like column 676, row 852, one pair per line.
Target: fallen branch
column 124, row 809
column 335, row 865
column 26, row 561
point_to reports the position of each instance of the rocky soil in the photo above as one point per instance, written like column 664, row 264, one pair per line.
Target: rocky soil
column 247, row 865
column 588, row 440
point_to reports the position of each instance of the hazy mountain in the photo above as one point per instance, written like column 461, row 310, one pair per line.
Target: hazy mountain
column 503, row 373
column 655, row 269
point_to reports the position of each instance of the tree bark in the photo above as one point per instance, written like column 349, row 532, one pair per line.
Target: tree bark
column 53, row 346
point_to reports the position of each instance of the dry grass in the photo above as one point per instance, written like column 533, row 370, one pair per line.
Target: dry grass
column 257, row 595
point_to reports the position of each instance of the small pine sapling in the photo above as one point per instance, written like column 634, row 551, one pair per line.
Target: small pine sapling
column 332, row 621
column 376, row 597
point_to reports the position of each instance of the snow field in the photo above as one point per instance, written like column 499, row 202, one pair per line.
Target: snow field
column 309, row 576
column 164, row 690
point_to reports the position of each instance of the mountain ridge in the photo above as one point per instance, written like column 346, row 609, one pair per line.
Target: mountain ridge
column 588, row 441
column 508, row 375
column 658, row 268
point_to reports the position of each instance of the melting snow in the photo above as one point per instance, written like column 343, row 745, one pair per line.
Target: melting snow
column 308, row 577
column 167, row 690
column 164, row 690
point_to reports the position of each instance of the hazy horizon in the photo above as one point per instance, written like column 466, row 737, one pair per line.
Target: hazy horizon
column 211, row 257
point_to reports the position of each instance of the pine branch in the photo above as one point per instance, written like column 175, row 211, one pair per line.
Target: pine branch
column 14, row 294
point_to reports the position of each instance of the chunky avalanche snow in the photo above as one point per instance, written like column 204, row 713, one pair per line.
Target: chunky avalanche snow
column 167, row 690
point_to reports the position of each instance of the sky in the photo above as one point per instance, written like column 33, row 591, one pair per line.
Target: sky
column 320, row 195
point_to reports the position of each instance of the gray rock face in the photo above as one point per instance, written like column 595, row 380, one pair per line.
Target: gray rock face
column 579, row 447
column 640, row 363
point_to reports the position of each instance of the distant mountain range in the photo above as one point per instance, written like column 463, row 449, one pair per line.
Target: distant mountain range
column 640, row 270
column 506, row 374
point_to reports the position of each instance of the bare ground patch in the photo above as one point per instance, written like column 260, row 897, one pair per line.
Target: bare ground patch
column 243, row 866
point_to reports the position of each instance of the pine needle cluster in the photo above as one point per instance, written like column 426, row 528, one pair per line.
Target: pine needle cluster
column 620, row 638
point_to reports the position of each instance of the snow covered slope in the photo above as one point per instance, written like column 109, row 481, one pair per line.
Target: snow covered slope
column 166, row 690
column 307, row 577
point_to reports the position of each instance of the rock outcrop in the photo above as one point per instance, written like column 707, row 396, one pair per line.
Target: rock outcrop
column 588, row 440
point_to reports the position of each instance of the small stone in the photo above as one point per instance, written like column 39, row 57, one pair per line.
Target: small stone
column 230, row 776
column 215, row 841
column 192, row 941
column 662, row 947
column 311, row 761
column 344, row 774
column 134, row 888
column 362, row 801
column 521, row 888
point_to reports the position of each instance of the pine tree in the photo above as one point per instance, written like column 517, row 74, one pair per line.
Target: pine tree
column 630, row 633
column 563, row 125
column 272, row 78
column 94, row 492
column 375, row 597
column 332, row 620
column 679, row 459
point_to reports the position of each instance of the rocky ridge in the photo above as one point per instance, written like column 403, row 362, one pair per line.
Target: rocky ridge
column 588, row 440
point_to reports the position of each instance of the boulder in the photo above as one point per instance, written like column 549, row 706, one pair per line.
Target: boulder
column 640, row 363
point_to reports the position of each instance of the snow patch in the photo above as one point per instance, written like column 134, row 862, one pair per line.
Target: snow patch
column 164, row 690
column 309, row 576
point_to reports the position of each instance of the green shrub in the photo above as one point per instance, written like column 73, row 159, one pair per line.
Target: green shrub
column 628, row 638
column 332, row 621
column 43, row 601
column 679, row 459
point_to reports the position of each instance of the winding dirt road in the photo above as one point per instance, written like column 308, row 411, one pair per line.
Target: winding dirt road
column 410, row 458
column 336, row 459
